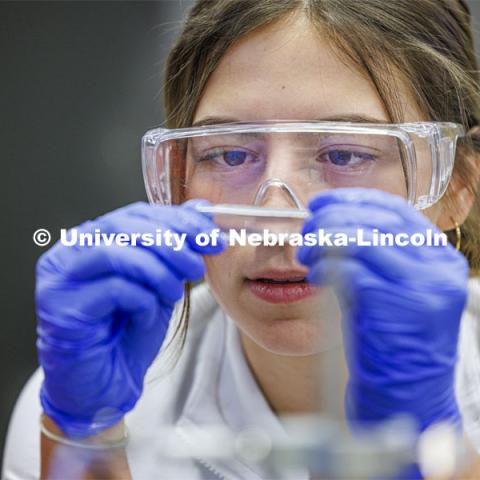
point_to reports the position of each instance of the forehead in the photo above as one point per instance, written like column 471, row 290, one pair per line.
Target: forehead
column 288, row 70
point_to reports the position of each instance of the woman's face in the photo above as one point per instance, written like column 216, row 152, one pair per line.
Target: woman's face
column 282, row 71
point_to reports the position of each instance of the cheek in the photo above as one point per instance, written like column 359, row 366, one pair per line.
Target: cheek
column 200, row 187
column 195, row 189
column 435, row 214
column 223, row 274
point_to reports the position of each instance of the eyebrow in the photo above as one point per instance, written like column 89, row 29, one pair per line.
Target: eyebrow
column 213, row 121
column 353, row 118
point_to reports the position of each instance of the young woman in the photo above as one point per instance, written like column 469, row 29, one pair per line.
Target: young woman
column 257, row 332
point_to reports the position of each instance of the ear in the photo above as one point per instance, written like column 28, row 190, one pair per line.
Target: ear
column 464, row 186
column 456, row 207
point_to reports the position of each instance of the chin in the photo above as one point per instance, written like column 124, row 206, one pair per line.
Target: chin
column 292, row 337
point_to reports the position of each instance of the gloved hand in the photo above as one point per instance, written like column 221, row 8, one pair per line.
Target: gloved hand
column 103, row 313
column 401, row 307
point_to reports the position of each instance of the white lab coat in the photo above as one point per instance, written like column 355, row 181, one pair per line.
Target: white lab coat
column 211, row 384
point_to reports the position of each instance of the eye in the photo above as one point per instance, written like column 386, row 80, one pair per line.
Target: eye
column 234, row 157
column 346, row 158
column 229, row 156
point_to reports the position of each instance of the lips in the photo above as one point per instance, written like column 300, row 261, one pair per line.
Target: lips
column 288, row 280
column 277, row 286
column 279, row 275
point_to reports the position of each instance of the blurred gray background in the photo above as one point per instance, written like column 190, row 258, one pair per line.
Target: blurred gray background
column 80, row 82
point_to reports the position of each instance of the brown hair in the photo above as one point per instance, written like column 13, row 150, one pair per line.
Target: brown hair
column 427, row 44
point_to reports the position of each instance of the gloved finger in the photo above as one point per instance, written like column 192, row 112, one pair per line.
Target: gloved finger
column 178, row 219
column 71, row 297
column 176, row 253
column 85, row 319
column 359, row 222
column 390, row 262
column 144, row 334
column 361, row 289
column 206, row 241
column 141, row 265
column 378, row 219
column 369, row 197
column 356, row 283
column 364, row 299
column 397, row 260
column 353, row 215
column 357, row 195
column 181, row 219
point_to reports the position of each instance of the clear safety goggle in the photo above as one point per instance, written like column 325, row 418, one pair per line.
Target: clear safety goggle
column 270, row 169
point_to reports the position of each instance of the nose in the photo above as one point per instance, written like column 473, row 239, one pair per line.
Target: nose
column 275, row 193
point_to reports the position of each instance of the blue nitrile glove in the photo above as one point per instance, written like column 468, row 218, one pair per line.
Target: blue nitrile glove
column 103, row 313
column 401, row 307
